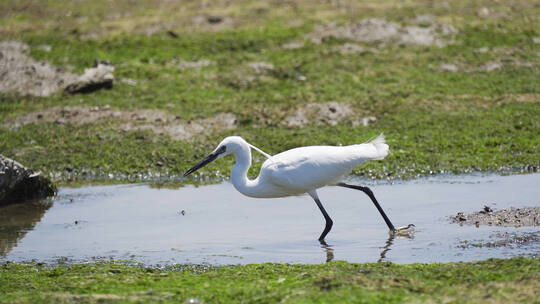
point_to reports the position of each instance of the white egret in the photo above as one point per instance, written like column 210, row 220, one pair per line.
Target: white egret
column 299, row 171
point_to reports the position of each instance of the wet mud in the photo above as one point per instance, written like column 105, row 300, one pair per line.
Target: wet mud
column 510, row 217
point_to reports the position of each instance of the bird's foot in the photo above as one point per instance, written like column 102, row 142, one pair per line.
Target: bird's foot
column 406, row 231
column 398, row 229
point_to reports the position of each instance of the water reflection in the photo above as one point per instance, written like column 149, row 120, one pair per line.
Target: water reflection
column 17, row 220
column 386, row 247
column 382, row 256
column 138, row 222
column 329, row 251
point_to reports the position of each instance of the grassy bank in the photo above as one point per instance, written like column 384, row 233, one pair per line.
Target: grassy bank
column 470, row 104
column 493, row 281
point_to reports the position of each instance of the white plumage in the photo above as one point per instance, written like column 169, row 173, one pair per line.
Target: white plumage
column 298, row 171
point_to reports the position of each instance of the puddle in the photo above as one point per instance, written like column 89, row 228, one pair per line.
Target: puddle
column 217, row 225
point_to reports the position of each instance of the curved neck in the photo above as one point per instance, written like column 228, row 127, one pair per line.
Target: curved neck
column 239, row 172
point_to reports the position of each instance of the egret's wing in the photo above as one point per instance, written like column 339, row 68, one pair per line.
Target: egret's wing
column 306, row 168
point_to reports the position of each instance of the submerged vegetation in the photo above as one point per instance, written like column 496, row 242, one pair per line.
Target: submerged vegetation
column 463, row 97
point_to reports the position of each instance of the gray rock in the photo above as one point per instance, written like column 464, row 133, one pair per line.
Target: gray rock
column 98, row 77
column 18, row 183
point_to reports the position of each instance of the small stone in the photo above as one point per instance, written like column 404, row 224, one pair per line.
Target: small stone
column 129, row 81
column 483, row 12
column 491, row 66
column 293, row 45
column 482, row 50
column 367, row 120
column 448, row 67
column 214, row 19
column 45, row 47
column 172, row 34
column 261, row 67
column 98, row 77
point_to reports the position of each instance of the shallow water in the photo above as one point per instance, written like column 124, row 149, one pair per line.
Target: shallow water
column 217, row 225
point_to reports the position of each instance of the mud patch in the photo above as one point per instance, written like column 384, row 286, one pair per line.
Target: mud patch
column 294, row 45
column 22, row 74
column 183, row 65
column 157, row 121
column 213, row 22
column 352, row 48
column 512, row 217
column 185, row 130
column 506, row 239
column 261, row 67
column 491, row 66
column 329, row 113
column 427, row 32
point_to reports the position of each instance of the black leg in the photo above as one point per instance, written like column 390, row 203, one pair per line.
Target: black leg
column 329, row 221
column 368, row 191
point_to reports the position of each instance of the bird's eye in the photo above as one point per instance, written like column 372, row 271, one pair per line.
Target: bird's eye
column 222, row 149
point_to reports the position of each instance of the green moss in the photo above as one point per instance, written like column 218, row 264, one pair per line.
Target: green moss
column 435, row 121
column 335, row 282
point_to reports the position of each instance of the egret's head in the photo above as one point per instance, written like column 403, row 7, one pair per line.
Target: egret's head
column 227, row 146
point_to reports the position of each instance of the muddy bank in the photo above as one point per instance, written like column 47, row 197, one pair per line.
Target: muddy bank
column 24, row 75
column 320, row 113
column 423, row 30
column 504, row 239
column 327, row 113
column 511, row 217
column 21, row 74
column 156, row 121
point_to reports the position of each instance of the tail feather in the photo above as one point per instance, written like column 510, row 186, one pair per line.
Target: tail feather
column 379, row 143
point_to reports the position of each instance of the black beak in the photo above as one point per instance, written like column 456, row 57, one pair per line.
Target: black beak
column 205, row 161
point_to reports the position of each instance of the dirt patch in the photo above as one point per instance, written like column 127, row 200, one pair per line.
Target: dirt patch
column 157, row 121
column 330, row 113
column 427, row 32
column 180, row 130
column 352, row 48
column 294, row 45
column 213, row 22
column 490, row 66
column 513, row 217
column 80, row 115
column 22, row 74
column 186, row 65
column 261, row 67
